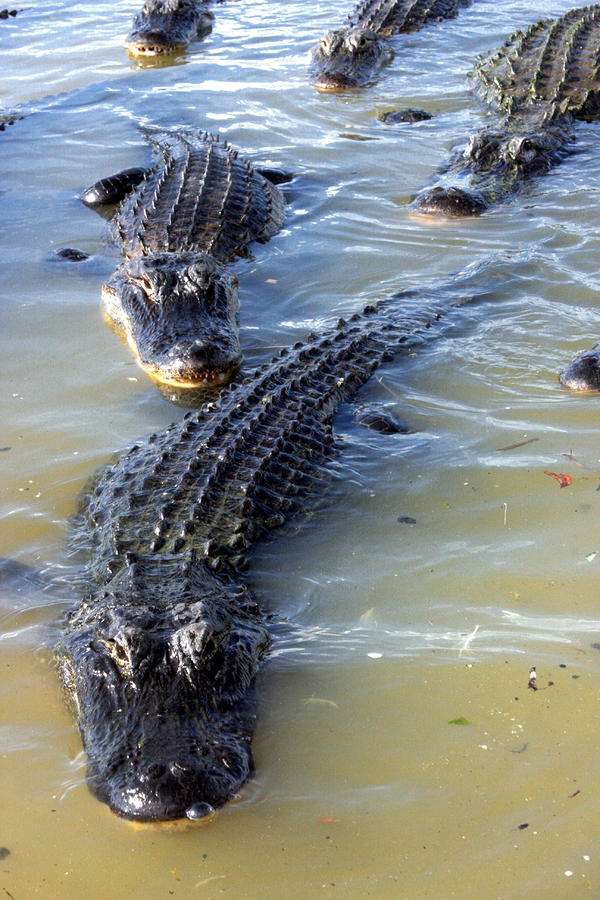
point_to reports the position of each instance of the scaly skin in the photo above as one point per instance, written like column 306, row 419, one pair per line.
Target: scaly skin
column 165, row 28
column 160, row 657
column 539, row 81
column 179, row 222
column 351, row 56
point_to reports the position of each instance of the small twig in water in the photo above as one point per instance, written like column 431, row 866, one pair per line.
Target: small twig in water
column 514, row 446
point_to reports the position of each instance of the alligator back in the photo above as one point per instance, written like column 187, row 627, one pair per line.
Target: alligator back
column 387, row 17
column 552, row 68
column 199, row 195
column 238, row 467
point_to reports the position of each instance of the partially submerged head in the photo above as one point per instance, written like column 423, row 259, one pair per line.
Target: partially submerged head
column 347, row 57
column 449, row 201
column 178, row 312
column 165, row 27
column 583, row 373
column 496, row 162
column 161, row 674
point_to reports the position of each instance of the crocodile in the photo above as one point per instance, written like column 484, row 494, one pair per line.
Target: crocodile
column 352, row 55
column 165, row 28
column 161, row 654
column 539, row 82
column 177, row 224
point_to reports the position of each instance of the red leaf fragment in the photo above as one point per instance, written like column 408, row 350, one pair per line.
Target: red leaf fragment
column 563, row 480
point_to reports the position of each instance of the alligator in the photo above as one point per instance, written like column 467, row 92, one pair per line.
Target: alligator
column 351, row 56
column 177, row 224
column 539, row 82
column 160, row 656
column 583, row 373
column 165, row 27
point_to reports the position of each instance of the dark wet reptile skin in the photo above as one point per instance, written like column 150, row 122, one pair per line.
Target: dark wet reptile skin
column 351, row 56
column 195, row 209
column 539, row 81
column 160, row 657
column 166, row 27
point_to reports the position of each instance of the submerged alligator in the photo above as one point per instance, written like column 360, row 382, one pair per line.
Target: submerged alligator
column 539, row 81
column 178, row 222
column 166, row 27
column 160, row 657
column 351, row 56
column 583, row 373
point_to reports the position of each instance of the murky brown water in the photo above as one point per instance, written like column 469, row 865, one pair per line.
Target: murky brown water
column 363, row 785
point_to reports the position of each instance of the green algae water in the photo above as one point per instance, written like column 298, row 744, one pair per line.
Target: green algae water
column 399, row 751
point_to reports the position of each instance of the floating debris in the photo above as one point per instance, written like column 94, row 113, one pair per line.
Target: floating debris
column 563, row 480
column 532, row 679
column 514, row 446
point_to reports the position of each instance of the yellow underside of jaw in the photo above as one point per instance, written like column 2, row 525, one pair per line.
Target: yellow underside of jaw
column 206, row 379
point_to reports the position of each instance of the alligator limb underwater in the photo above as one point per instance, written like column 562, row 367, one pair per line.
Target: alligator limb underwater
column 164, row 28
column 177, row 224
column 540, row 81
column 351, row 56
column 160, row 657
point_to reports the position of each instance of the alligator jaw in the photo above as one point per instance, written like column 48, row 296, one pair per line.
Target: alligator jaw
column 178, row 313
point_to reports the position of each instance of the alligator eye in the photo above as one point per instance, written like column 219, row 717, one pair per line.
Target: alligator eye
column 144, row 283
column 119, row 652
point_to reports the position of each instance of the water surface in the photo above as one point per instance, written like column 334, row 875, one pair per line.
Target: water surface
column 363, row 786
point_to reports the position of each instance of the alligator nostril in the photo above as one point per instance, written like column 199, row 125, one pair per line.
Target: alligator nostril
column 199, row 810
column 199, row 354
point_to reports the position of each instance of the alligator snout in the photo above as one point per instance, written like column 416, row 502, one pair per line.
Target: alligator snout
column 583, row 373
column 451, row 201
column 152, row 43
column 163, row 791
column 195, row 363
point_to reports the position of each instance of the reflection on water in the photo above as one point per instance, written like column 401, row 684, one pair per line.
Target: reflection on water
column 438, row 567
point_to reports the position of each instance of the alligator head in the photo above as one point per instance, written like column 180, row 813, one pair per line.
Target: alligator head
column 348, row 57
column 583, row 373
column 160, row 666
column 497, row 163
column 165, row 27
column 178, row 312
